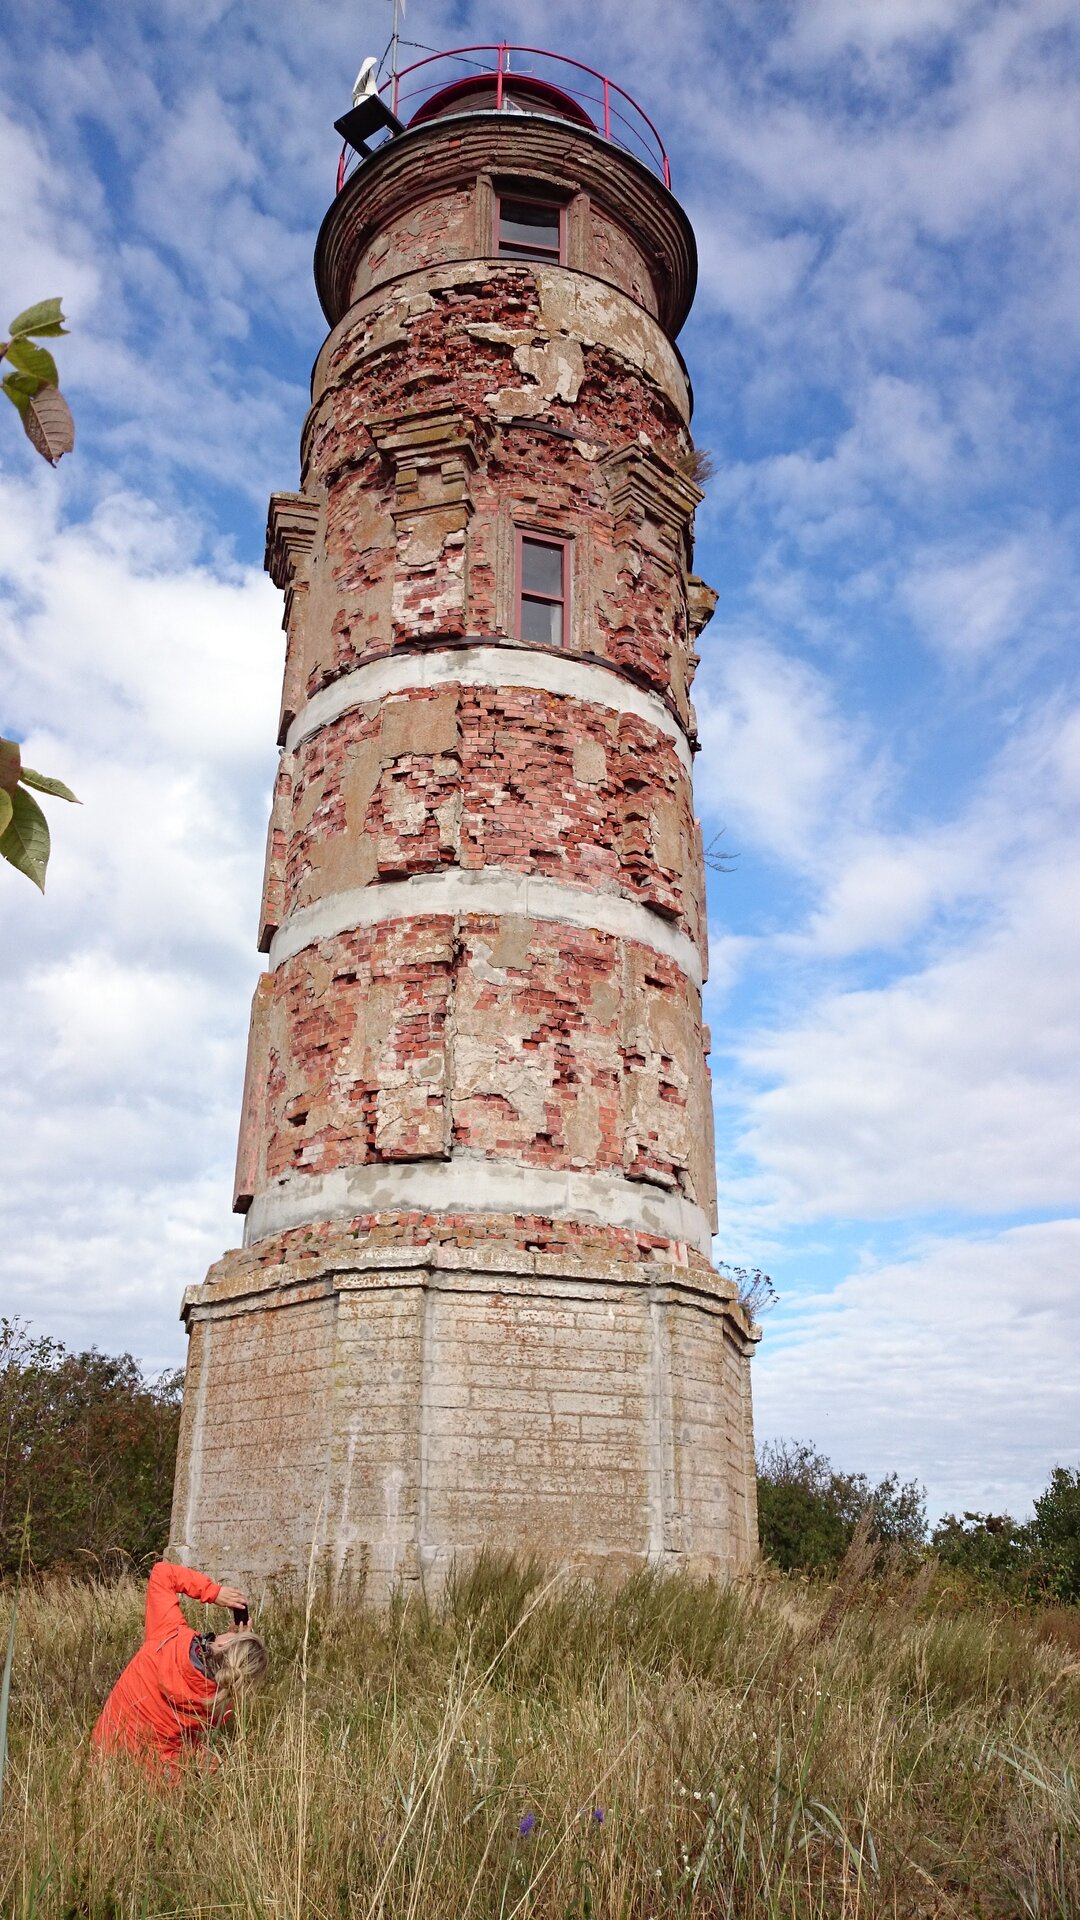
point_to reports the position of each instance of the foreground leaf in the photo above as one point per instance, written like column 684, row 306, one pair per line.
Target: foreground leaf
column 24, row 842
column 45, row 319
column 20, row 389
column 44, row 785
column 7, row 808
column 10, row 764
column 49, row 425
column 36, row 360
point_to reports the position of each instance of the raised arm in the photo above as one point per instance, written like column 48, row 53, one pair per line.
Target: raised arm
column 165, row 1584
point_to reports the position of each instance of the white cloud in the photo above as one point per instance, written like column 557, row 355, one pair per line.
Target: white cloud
column 743, row 272
column 881, row 891
column 901, row 448
column 827, row 27
column 149, row 364
column 45, row 249
column 150, row 684
column 954, row 1366
column 952, row 1087
column 775, row 753
column 968, row 607
column 116, row 611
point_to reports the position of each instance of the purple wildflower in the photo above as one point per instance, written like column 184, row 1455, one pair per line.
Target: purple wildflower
column 598, row 1815
column 526, row 1823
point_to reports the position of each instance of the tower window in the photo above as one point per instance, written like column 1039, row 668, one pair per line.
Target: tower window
column 529, row 229
column 543, row 580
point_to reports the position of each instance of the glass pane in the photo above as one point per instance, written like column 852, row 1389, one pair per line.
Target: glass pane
column 541, row 621
column 541, row 568
column 523, row 223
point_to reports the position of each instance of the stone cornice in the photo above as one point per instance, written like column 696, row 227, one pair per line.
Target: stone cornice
column 642, row 482
column 491, row 661
column 444, row 153
column 432, row 455
column 489, row 891
column 240, row 1284
column 493, row 1184
column 701, row 602
column 290, row 534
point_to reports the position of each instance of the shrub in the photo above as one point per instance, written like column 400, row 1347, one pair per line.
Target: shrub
column 1055, row 1531
column 87, row 1451
column 1031, row 1561
column 808, row 1511
column 990, row 1549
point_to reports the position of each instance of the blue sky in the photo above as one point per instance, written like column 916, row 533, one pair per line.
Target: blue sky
column 884, row 351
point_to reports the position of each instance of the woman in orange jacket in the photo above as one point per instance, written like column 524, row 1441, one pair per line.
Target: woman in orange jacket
column 180, row 1683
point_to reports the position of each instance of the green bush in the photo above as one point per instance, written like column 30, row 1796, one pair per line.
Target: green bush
column 991, row 1550
column 808, row 1511
column 1031, row 1562
column 87, row 1451
column 1056, row 1534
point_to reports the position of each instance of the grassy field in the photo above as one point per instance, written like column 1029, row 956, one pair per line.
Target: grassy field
column 521, row 1749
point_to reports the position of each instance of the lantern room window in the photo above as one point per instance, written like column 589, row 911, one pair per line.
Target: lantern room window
column 529, row 229
column 543, row 589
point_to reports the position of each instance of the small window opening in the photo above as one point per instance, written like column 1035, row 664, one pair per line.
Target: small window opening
column 530, row 229
column 542, row 590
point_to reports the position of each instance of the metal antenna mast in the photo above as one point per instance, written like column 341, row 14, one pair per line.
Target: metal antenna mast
column 399, row 9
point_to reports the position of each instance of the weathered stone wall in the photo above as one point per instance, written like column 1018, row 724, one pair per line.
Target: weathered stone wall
column 457, row 1405
column 430, row 778
column 475, row 1301
column 622, row 226
column 551, row 1045
column 443, row 226
column 255, row 1435
column 459, row 223
column 611, row 253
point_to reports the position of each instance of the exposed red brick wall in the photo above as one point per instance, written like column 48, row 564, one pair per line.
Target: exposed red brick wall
column 380, row 582
column 515, row 778
column 548, row 1045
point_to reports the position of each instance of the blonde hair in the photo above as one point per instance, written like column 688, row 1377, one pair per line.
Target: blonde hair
column 241, row 1664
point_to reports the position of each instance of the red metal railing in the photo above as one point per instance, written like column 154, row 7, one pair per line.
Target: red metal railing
column 611, row 110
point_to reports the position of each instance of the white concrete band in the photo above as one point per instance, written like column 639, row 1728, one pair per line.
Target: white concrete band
column 471, row 1183
column 481, row 666
column 484, row 890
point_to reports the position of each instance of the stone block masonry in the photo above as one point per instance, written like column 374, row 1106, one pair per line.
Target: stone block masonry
column 475, row 1303
column 395, row 1384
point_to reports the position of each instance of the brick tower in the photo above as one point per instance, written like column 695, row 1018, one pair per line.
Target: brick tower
column 475, row 1302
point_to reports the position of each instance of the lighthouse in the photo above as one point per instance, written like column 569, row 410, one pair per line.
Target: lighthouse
column 475, row 1304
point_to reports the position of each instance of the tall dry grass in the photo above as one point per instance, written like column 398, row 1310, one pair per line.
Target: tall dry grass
column 517, row 1748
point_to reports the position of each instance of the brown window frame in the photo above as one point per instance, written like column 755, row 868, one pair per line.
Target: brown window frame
column 542, row 538
column 541, row 256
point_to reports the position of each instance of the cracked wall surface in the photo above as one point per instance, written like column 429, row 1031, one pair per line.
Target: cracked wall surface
column 520, row 777
column 475, row 1151
column 551, row 1046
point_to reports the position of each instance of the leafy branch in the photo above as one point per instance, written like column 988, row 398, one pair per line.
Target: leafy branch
column 33, row 389
column 34, row 386
column 24, row 830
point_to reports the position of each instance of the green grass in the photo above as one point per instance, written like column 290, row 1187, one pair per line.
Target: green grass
column 755, row 1751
